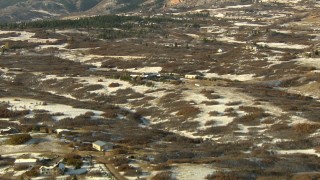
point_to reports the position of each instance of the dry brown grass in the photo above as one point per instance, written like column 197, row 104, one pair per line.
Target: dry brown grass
column 163, row 176
column 110, row 113
column 306, row 128
column 189, row 111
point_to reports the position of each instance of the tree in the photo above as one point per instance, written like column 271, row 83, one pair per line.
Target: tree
column 18, row 139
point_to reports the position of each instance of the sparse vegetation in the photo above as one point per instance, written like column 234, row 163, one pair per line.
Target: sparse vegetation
column 252, row 112
column 73, row 160
column 18, row 139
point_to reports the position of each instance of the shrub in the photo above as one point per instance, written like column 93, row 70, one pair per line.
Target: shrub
column 306, row 176
column 6, row 162
column 125, row 167
column 21, row 167
column 32, row 172
column 118, row 161
column 189, row 111
column 18, row 139
column 250, row 109
column 114, row 85
column 161, row 166
column 222, row 176
column 235, row 103
column 163, row 176
column 306, row 128
column 209, row 103
column 134, row 117
column 110, row 113
column 214, row 113
column 5, row 113
column 209, row 123
column 119, row 151
column 73, row 160
column 252, row 116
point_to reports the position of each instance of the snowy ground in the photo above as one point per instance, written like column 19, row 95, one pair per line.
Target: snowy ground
column 192, row 171
column 48, row 143
column 33, row 104
column 25, row 36
column 313, row 62
column 283, row 45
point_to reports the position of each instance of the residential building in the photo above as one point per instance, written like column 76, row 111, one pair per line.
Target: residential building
column 102, row 146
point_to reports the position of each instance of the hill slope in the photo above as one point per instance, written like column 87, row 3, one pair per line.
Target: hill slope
column 26, row 10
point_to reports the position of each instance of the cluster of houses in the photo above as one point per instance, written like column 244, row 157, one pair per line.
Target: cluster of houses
column 59, row 168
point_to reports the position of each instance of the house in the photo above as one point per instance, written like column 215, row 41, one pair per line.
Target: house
column 9, row 130
column 60, row 131
column 29, row 162
column 191, row 76
column 57, row 169
column 151, row 75
column 102, row 146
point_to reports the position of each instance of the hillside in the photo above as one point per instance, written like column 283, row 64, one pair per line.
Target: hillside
column 171, row 90
column 26, row 10
column 30, row 10
column 22, row 10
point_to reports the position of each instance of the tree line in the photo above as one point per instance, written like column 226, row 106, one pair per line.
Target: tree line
column 109, row 26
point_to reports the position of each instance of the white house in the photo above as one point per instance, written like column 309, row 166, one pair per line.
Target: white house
column 59, row 131
column 56, row 169
column 191, row 76
column 29, row 162
column 102, row 145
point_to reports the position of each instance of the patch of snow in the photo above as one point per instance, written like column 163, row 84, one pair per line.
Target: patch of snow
column 192, row 171
column 248, row 24
column 229, row 40
column 45, row 12
column 32, row 104
column 25, row 36
column 144, row 70
column 61, row 46
column 195, row 36
column 314, row 62
column 238, row 6
column 71, row 31
column 233, row 77
column 283, row 45
column 243, row 129
column 219, row 15
column 300, row 151
column 126, row 57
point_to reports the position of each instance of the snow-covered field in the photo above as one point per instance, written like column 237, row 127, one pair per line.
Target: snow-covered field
column 283, row 45
column 233, row 77
column 313, row 62
column 17, row 103
column 229, row 40
column 192, row 171
column 48, row 143
column 25, row 36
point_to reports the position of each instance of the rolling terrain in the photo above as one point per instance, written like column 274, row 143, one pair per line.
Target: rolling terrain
column 200, row 92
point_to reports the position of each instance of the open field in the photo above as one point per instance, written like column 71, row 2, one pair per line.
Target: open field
column 228, row 91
